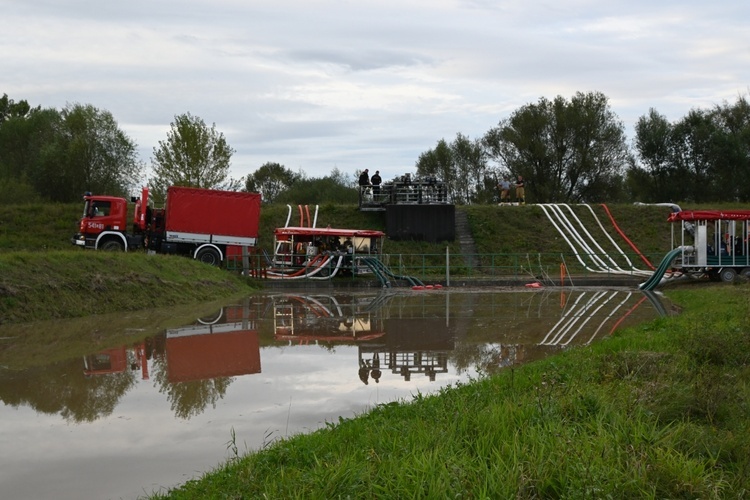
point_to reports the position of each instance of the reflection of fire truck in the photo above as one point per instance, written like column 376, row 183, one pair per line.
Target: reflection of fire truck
column 225, row 346
column 117, row 360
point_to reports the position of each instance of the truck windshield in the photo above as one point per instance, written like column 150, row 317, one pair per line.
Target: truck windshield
column 96, row 208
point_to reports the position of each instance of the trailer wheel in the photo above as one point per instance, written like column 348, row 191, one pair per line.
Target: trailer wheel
column 209, row 255
column 112, row 246
column 746, row 272
column 727, row 274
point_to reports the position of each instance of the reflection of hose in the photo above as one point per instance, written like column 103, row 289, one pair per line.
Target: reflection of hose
column 591, row 315
column 655, row 302
column 576, row 313
column 572, row 318
column 614, row 327
column 212, row 321
column 314, row 304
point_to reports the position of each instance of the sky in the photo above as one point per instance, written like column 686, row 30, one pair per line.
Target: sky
column 317, row 85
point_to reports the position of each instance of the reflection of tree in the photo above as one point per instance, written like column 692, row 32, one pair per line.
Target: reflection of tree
column 62, row 388
column 189, row 399
column 467, row 355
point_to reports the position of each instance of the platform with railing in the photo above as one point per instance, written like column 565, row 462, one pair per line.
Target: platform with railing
column 403, row 190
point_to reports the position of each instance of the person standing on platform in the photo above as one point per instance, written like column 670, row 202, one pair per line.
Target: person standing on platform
column 364, row 178
column 365, row 193
column 520, row 191
column 375, row 181
column 504, row 186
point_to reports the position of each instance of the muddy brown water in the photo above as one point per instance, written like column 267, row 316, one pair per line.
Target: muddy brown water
column 125, row 420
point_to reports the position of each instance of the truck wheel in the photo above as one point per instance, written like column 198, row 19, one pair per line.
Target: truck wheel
column 209, row 256
column 727, row 274
column 112, row 246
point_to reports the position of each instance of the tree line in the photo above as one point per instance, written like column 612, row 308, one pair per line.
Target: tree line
column 567, row 150
column 575, row 151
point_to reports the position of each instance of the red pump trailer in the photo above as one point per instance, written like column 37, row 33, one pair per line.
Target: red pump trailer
column 200, row 223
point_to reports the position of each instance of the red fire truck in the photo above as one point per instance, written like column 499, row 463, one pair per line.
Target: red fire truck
column 200, row 223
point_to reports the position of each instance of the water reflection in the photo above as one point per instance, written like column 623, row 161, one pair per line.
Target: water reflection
column 322, row 357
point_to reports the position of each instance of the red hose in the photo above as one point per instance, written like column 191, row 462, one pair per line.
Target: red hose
column 632, row 245
column 626, row 315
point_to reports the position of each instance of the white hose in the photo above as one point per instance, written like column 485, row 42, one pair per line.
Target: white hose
column 565, row 237
column 624, row 255
column 587, row 243
column 577, row 237
column 281, row 275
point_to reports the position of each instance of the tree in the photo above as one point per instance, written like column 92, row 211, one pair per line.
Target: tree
column 192, row 155
column 470, row 164
column 691, row 147
column 732, row 149
column 566, row 151
column 24, row 131
column 9, row 108
column 22, row 141
column 270, row 180
column 439, row 163
column 656, row 175
column 703, row 157
column 63, row 154
column 90, row 153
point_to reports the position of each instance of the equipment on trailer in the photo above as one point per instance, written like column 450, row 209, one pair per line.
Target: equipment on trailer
column 309, row 252
column 712, row 243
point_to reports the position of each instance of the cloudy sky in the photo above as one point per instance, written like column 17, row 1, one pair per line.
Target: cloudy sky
column 352, row 84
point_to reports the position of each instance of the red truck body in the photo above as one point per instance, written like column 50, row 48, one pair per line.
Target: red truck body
column 229, row 216
column 201, row 223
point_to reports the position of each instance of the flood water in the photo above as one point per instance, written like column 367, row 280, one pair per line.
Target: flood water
column 94, row 409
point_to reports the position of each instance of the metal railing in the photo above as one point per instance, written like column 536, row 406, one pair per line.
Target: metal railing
column 545, row 267
column 542, row 266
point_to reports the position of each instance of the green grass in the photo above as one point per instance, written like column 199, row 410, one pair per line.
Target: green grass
column 38, row 227
column 65, row 284
column 658, row 411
